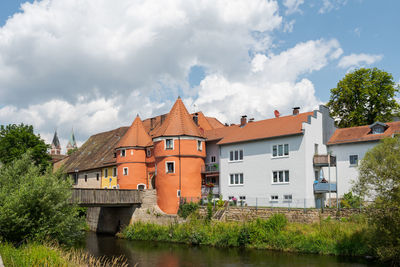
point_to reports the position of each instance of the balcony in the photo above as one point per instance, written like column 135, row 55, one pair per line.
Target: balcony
column 323, row 160
column 324, row 187
column 210, row 168
column 205, row 190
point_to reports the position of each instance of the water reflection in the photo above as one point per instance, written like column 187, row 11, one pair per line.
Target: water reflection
column 172, row 255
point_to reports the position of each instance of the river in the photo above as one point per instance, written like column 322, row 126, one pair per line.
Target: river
column 171, row 255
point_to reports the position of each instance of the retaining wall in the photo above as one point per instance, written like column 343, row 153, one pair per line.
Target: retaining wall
column 293, row 215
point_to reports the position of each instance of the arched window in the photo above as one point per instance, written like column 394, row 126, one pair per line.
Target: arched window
column 141, row 186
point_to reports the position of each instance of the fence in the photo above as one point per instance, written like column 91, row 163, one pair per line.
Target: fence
column 269, row 202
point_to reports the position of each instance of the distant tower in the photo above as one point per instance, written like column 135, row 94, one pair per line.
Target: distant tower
column 71, row 143
column 55, row 145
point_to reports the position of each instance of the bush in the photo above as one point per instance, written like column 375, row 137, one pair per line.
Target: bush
column 186, row 209
column 35, row 206
column 350, row 201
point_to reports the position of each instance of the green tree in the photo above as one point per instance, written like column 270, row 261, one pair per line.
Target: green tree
column 35, row 206
column 363, row 97
column 379, row 180
column 16, row 140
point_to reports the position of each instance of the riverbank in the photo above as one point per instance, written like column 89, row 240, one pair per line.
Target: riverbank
column 35, row 254
column 328, row 237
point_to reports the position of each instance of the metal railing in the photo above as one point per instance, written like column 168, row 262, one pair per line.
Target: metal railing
column 209, row 168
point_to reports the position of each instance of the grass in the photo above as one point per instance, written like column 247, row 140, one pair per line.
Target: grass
column 34, row 254
column 327, row 237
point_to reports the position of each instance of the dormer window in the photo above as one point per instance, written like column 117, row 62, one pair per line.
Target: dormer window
column 378, row 128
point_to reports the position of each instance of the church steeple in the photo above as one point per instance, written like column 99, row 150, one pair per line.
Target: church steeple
column 55, row 145
column 72, row 142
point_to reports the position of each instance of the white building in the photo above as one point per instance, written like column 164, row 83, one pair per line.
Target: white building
column 270, row 162
column 349, row 145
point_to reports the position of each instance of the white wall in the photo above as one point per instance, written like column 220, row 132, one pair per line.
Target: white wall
column 212, row 149
column 258, row 165
column 346, row 173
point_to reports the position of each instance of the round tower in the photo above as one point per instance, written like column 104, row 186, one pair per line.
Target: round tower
column 179, row 151
column 131, row 157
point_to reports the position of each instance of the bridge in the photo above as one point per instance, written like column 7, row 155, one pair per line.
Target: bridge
column 109, row 210
column 88, row 197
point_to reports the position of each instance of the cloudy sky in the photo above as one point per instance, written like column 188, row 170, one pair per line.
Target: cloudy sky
column 93, row 65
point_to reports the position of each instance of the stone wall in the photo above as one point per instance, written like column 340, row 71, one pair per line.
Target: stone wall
column 109, row 219
column 293, row 215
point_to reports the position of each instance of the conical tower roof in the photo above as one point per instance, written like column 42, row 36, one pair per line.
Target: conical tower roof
column 72, row 141
column 136, row 136
column 178, row 122
column 55, row 142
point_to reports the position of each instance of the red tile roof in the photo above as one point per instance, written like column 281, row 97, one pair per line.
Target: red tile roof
column 219, row 133
column 178, row 122
column 215, row 123
column 282, row 126
column 362, row 134
column 136, row 136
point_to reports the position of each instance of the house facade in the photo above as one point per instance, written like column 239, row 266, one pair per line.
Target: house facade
column 299, row 160
column 270, row 162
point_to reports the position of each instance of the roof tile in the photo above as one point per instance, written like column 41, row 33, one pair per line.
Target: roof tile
column 136, row 136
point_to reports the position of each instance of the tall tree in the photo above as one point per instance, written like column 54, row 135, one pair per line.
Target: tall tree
column 363, row 97
column 379, row 181
column 16, row 140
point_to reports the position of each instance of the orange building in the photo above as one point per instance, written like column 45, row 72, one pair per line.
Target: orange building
column 170, row 160
column 179, row 151
column 133, row 159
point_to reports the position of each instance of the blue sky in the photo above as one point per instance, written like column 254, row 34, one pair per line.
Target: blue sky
column 92, row 65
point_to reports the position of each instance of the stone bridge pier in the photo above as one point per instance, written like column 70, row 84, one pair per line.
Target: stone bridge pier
column 109, row 211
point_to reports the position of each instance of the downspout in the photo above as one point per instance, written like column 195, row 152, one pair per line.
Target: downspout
column 180, row 181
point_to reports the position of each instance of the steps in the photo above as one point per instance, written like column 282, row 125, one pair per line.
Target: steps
column 149, row 210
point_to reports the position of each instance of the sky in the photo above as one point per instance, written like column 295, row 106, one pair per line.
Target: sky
column 91, row 66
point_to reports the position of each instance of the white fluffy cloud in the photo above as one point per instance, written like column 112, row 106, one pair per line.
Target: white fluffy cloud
column 93, row 65
column 357, row 60
column 329, row 5
column 273, row 83
column 292, row 6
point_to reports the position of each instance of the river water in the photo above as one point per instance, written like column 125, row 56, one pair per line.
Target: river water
column 171, row 255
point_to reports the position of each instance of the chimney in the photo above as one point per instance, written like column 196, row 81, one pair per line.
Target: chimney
column 276, row 113
column 152, row 122
column 243, row 121
column 296, row 110
column 251, row 120
column 196, row 118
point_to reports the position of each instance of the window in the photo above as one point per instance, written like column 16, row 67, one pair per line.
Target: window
column 287, row 198
column 213, row 159
column 280, row 177
column 316, row 149
column 85, row 178
column 125, row 171
column 114, row 187
column 114, row 172
column 274, row 198
column 131, row 152
column 123, row 152
column 236, row 179
column 148, row 152
column 105, row 173
column 236, row 155
column 199, row 146
column 378, row 130
column 280, row 150
column 170, row 167
column 97, row 176
column 76, row 176
column 169, row 143
column 178, row 193
column 353, row 160
column 141, row 186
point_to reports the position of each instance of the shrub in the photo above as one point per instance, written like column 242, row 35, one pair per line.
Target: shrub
column 35, row 206
column 186, row 209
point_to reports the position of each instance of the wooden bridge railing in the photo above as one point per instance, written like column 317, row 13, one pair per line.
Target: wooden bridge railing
column 105, row 197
